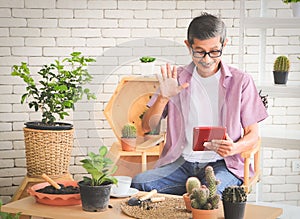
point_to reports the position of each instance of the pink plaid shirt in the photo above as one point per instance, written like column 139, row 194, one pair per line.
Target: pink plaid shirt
column 239, row 106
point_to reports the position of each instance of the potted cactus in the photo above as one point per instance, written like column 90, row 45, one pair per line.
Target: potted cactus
column 204, row 199
column 234, row 201
column 191, row 183
column 147, row 65
column 281, row 69
column 128, row 139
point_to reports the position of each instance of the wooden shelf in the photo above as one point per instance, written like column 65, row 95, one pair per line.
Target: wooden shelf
column 268, row 22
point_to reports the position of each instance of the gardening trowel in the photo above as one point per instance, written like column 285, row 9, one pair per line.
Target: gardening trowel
column 147, row 197
column 51, row 181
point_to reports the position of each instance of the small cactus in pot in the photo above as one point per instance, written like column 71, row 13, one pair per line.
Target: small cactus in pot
column 281, row 69
column 191, row 183
column 234, row 200
column 128, row 139
column 206, row 197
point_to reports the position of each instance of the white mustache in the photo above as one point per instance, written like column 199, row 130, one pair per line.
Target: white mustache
column 204, row 64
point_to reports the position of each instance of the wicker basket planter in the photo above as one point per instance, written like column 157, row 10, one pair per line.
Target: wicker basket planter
column 48, row 151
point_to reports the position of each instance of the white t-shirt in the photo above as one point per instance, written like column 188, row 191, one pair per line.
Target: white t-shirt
column 203, row 112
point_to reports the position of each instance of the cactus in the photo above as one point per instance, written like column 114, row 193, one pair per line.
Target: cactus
column 129, row 131
column 191, row 183
column 234, row 194
column 281, row 64
column 206, row 197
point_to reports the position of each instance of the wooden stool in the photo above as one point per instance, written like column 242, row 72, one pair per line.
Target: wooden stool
column 30, row 181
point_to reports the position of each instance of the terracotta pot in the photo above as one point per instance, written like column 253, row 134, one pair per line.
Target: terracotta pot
column 128, row 144
column 187, row 201
column 55, row 199
column 204, row 214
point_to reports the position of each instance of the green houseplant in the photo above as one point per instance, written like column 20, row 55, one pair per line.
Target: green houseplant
column 295, row 6
column 204, row 199
column 281, row 69
column 234, row 200
column 95, row 190
column 4, row 215
column 128, row 138
column 60, row 85
column 147, row 65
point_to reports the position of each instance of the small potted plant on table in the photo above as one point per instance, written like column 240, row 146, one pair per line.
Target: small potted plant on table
column 281, row 70
column 205, row 200
column 95, row 190
column 191, row 183
column 234, row 200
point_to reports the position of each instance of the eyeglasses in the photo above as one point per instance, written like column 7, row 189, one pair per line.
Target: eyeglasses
column 211, row 54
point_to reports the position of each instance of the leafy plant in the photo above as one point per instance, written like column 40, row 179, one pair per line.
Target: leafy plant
column 290, row 1
column 100, row 167
column 59, row 89
column 4, row 215
column 129, row 131
column 281, row 64
column 146, row 59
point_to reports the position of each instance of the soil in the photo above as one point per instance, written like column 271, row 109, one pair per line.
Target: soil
column 63, row 190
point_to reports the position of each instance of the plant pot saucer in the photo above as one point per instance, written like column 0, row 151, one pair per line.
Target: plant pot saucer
column 55, row 199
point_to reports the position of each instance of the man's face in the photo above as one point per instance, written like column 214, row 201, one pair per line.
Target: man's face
column 207, row 65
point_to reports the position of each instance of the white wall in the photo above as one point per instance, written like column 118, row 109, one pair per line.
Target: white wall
column 117, row 33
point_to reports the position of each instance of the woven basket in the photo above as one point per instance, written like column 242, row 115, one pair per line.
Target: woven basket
column 48, row 151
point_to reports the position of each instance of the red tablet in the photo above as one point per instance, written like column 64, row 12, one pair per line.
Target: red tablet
column 204, row 134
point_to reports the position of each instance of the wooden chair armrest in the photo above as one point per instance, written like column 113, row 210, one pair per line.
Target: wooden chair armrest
column 255, row 152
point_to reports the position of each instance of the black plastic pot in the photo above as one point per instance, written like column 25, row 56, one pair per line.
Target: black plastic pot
column 42, row 126
column 94, row 198
column 280, row 77
column 234, row 210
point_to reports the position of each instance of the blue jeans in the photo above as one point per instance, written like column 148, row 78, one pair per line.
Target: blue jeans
column 171, row 178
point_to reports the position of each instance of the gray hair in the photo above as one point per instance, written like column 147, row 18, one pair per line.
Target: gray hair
column 206, row 26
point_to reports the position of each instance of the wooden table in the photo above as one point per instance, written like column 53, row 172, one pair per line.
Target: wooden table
column 29, row 207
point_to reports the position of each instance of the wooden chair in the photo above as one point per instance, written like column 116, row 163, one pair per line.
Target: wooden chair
column 254, row 153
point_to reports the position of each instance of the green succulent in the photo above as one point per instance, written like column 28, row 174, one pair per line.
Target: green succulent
column 129, row 131
column 281, row 64
column 146, row 59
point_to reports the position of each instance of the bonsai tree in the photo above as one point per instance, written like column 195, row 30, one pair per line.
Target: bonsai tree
column 146, row 59
column 100, row 168
column 60, row 86
column 206, row 197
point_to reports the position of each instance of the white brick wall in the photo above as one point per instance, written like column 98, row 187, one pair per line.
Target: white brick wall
column 117, row 33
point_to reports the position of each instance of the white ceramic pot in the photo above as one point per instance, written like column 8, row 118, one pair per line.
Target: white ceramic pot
column 296, row 9
column 147, row 68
